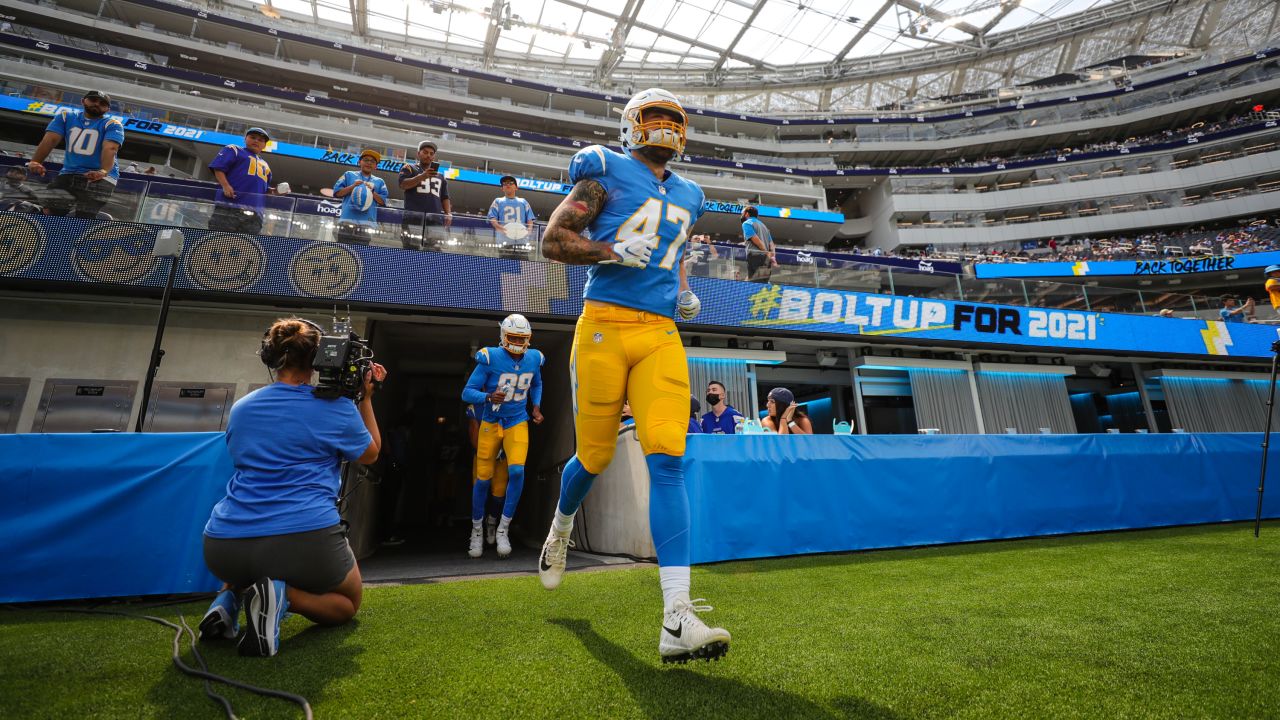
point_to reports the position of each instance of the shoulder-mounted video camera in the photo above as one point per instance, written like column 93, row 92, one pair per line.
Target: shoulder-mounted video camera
column 342, row 358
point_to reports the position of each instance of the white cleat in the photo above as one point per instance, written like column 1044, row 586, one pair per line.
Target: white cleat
column 504, row 543
column 477, row 541
column 685, row 637
column 490, row 530
column 551, row 562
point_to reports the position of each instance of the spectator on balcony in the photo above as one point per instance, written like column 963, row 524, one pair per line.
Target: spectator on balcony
column 695, row 407
column 723, row 419
column 1233, row 312
column 426, row 199
column 89, row 169
column 784, row 416
column 358, row 223
column 244, row 180
column 508, row 210
column 761, row 258
column 1273, row 286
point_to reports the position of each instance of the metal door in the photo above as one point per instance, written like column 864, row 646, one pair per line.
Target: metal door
column 189, row 407
column 85, row 406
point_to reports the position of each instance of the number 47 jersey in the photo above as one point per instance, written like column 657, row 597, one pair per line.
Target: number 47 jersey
column 638, row 203
column 496, row 369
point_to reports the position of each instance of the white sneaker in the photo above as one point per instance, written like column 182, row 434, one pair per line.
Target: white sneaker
column 477, row 541
column 490, row 530
column 551, row 563
column 504, row 543
column 685, row 637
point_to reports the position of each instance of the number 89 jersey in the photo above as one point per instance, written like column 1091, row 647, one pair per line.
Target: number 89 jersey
column 496, row 368
column 637, row 203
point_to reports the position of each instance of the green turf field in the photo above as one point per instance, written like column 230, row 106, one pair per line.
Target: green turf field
column 1179, row 623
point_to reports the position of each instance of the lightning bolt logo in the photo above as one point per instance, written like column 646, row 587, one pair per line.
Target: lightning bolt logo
column 768, row 298
column 1217, row 338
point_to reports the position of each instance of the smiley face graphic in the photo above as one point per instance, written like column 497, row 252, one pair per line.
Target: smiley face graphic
column 21, row 243
column 115, row 252
column 225, row 261
column 325, row 269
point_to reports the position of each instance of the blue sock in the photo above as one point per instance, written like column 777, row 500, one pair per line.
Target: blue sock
column 668, row 509
column 515, row 483
column 479, row 493
column 574, row 484
column 493, row 508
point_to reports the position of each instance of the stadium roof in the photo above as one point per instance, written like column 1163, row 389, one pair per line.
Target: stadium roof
column 686, row 35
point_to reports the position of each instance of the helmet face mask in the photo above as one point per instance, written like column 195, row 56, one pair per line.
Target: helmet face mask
column 515, row 334
column 644, row 125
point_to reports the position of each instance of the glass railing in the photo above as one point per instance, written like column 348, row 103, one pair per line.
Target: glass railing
column 193, row 205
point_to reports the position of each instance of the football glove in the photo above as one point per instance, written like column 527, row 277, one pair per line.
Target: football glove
column 688, row 305
column 634, row 252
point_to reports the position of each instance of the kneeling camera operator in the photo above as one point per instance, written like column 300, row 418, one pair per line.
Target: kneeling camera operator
column 276, row 539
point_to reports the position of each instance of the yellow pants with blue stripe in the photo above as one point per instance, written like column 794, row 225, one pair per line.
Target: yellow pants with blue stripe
column 499, row 481
column 514, row 442
column 626, row 354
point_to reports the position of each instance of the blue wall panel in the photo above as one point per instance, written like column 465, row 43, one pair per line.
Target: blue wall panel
column 763, row 496
column 118, row 515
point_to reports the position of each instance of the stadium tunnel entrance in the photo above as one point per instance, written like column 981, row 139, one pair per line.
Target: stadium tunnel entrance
column 413, row 518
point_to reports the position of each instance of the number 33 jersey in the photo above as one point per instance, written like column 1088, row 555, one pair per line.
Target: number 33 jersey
column 496, row 368
column 637, row 203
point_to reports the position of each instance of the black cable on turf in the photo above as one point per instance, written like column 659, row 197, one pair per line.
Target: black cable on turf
column 208, row 687
column 177, row 661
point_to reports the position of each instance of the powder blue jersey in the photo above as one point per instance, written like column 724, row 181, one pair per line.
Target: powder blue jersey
column 638, row 203
column 286, row 445
column 83, row 138
column 350, row 212
column 508, row 210
column 496, row 368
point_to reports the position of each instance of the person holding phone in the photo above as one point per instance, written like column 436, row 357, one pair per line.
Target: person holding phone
column 426, row 198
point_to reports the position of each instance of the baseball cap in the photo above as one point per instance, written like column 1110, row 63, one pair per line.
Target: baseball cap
column 506, row 179
column 98, row 94
column 257, row 131
column 427, row 143
column 377, row 156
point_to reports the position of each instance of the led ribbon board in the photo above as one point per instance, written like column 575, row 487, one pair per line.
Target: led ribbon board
column 110, row 256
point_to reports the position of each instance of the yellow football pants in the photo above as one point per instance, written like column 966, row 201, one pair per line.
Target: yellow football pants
column 513, row 440
column 498, row 485
column 626, row 354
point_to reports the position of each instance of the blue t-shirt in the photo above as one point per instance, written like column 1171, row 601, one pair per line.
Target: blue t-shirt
column 724, row 425
column 350, row 212
column 286, row 445
column 753, row 227
column 496, row 368
column 1228, row 316
column 247, row 173
column 637, row 203
column 508, row 210
column 694, row 427
column 83, row 138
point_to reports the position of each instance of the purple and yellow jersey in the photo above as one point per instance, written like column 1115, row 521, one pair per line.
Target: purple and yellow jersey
column 247, row 173
column 83, row 138
column 638, row 203
column 497, row 368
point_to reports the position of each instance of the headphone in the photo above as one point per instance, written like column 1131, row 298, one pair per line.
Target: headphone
column 271, row 356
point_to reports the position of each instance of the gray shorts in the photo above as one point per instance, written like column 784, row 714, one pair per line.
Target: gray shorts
column 316, row 561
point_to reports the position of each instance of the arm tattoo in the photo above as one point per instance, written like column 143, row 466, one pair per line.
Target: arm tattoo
column 563, row 240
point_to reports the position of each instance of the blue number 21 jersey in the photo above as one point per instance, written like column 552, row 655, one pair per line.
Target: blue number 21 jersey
column 637, row 203
column 495, row 369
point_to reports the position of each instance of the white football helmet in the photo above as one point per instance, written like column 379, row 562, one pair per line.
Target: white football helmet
column 516, row 332
column 640, row 129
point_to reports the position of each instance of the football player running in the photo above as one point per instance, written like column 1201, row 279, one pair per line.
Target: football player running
column 628, row 217
column 506, row 379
